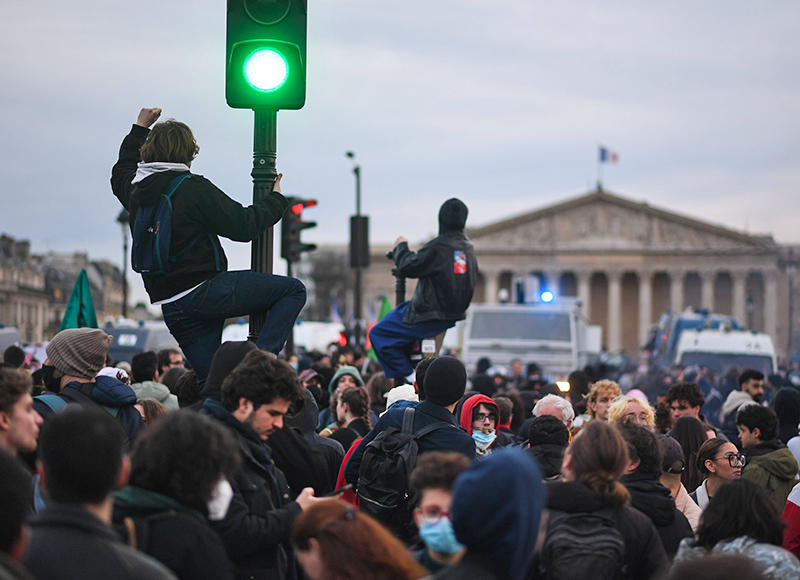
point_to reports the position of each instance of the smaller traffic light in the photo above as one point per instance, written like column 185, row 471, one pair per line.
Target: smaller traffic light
column 292, row 225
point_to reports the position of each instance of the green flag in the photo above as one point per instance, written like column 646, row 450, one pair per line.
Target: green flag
column 80, row 308
column 386, row 308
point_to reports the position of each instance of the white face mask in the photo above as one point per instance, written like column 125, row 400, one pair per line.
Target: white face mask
column 221, row 498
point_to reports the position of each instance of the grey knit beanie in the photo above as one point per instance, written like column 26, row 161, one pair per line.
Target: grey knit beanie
column 80, row 352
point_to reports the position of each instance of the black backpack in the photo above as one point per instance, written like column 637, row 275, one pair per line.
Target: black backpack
column 582, row 545
column 383, row 479
column 152, row 234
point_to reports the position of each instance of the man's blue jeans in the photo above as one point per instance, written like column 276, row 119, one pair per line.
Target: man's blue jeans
column 391, row 335
column 196, row 320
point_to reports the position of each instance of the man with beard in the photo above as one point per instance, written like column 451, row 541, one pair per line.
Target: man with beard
column 751, row 383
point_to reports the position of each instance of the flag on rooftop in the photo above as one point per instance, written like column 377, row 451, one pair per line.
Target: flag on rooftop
column 608, row 156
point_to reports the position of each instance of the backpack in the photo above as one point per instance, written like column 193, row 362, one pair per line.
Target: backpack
column 83, row 396
column 383, row 479
column 152, row 234
column 582, row 545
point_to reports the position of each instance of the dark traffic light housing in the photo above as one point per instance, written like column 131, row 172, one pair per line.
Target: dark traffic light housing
column 292, row 225
column 266, row 54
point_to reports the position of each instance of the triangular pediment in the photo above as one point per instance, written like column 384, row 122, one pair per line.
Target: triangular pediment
column 602, row 222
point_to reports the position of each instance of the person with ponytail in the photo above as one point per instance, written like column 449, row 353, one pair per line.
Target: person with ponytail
column 592, row 466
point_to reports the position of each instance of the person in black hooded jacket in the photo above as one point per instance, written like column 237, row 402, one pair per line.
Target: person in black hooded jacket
column 447, row 271
column 548, row 438
column 592, row 465
column 198, row 294
column 648, row 495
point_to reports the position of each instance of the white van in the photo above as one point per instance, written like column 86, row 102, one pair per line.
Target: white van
column 720, row 349
column 553, row 335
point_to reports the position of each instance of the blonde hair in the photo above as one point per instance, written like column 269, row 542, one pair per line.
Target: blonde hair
column 604, row 387
column 618, row 410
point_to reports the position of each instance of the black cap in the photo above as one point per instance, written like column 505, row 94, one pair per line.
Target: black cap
column 445, row 381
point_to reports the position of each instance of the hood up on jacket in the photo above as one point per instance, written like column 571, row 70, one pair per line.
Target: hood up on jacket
column 550, row 457
column 497, row 504
column 227, row 358
column 345, row 370
column 469, row 405
column 452, row 216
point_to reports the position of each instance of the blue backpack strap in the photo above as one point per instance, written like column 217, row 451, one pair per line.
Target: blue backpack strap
column 53, row 401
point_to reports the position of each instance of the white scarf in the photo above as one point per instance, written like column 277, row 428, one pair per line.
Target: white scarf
column 145, row 170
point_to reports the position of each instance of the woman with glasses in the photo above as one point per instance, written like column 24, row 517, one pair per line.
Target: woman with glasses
column 333, row 541
column 742, row 519
column 721, row 462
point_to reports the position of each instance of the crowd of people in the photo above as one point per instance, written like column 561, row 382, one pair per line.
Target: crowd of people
column 320, row 467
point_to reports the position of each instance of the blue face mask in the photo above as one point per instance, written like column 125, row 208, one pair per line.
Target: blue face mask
column 484, row 439
column 440, row 536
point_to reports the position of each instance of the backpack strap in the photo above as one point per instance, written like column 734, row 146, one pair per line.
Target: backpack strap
column 408, row 421
column 52, row 401
column 433, row 427
column 83, row 396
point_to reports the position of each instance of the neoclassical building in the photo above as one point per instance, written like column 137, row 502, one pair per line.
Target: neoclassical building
column 628, row 262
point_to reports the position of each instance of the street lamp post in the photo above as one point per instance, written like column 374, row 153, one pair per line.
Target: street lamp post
column 356, row 261
column 123, row 219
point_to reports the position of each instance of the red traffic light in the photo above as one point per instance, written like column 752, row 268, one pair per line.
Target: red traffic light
column 298, row 208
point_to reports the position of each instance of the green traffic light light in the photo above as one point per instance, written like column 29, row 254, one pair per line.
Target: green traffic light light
column 266, row 70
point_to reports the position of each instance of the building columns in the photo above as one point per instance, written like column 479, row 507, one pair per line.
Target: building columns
column 707, row 290
column 676, row 290
column 614, row 310
column 739, row 291
column 771, row 303
column 645, row 304
column 585, row 292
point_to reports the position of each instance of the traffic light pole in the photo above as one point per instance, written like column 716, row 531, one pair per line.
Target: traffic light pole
column 265, row 153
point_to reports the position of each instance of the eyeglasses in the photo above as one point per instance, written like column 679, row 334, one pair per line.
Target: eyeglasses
column 432, row 514
column 640, row 418
column 484, row 416
column 733, row 459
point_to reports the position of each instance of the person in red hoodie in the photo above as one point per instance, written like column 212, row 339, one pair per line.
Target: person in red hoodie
column 480, row 416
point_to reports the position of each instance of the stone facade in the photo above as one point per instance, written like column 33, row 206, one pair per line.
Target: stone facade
column 627, row 262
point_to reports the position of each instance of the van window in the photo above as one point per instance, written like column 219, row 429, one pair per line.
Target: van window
column 720, row 363
column 520, row 326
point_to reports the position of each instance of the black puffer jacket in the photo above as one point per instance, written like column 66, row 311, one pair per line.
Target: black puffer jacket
column 200, row 211
column 446, row 267
column 653, row 500
column 644, row 553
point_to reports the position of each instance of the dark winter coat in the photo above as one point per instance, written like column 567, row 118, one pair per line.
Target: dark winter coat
column 446, row 284
column 200, row 211
column 177, row 536
column 645, row 556
column 651, row 498
column 455, row 439
column 258, row 526
column 550, row 456
column 69, row 543
column 115, row 396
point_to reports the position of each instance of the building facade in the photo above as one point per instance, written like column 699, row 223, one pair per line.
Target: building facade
column 627, row 262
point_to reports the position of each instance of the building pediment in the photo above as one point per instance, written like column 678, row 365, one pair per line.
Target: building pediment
column 602, row 222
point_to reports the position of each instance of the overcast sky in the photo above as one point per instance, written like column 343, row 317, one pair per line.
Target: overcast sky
column 500, row 102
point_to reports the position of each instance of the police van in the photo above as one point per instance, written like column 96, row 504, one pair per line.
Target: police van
column 719, row 349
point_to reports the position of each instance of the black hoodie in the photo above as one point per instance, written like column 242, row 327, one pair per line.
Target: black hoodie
column 651, row 498
column 200, row 211
column 446, row 267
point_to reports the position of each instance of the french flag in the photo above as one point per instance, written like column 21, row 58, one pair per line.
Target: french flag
column 608, row 156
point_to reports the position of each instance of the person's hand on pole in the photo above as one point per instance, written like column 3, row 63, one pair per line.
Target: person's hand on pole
column 276, row 187
column 148, row 116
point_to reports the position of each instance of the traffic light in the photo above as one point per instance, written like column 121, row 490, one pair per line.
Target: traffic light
column 266, row 54
column 292, row 225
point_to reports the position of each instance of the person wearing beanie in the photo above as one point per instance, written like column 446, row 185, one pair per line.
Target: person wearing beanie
column 345, row 376
column 445, row 383
column 75, row 356
column 447, row 270
column 496, row 508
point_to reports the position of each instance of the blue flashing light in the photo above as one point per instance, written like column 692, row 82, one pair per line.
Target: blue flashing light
column 547, row 296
